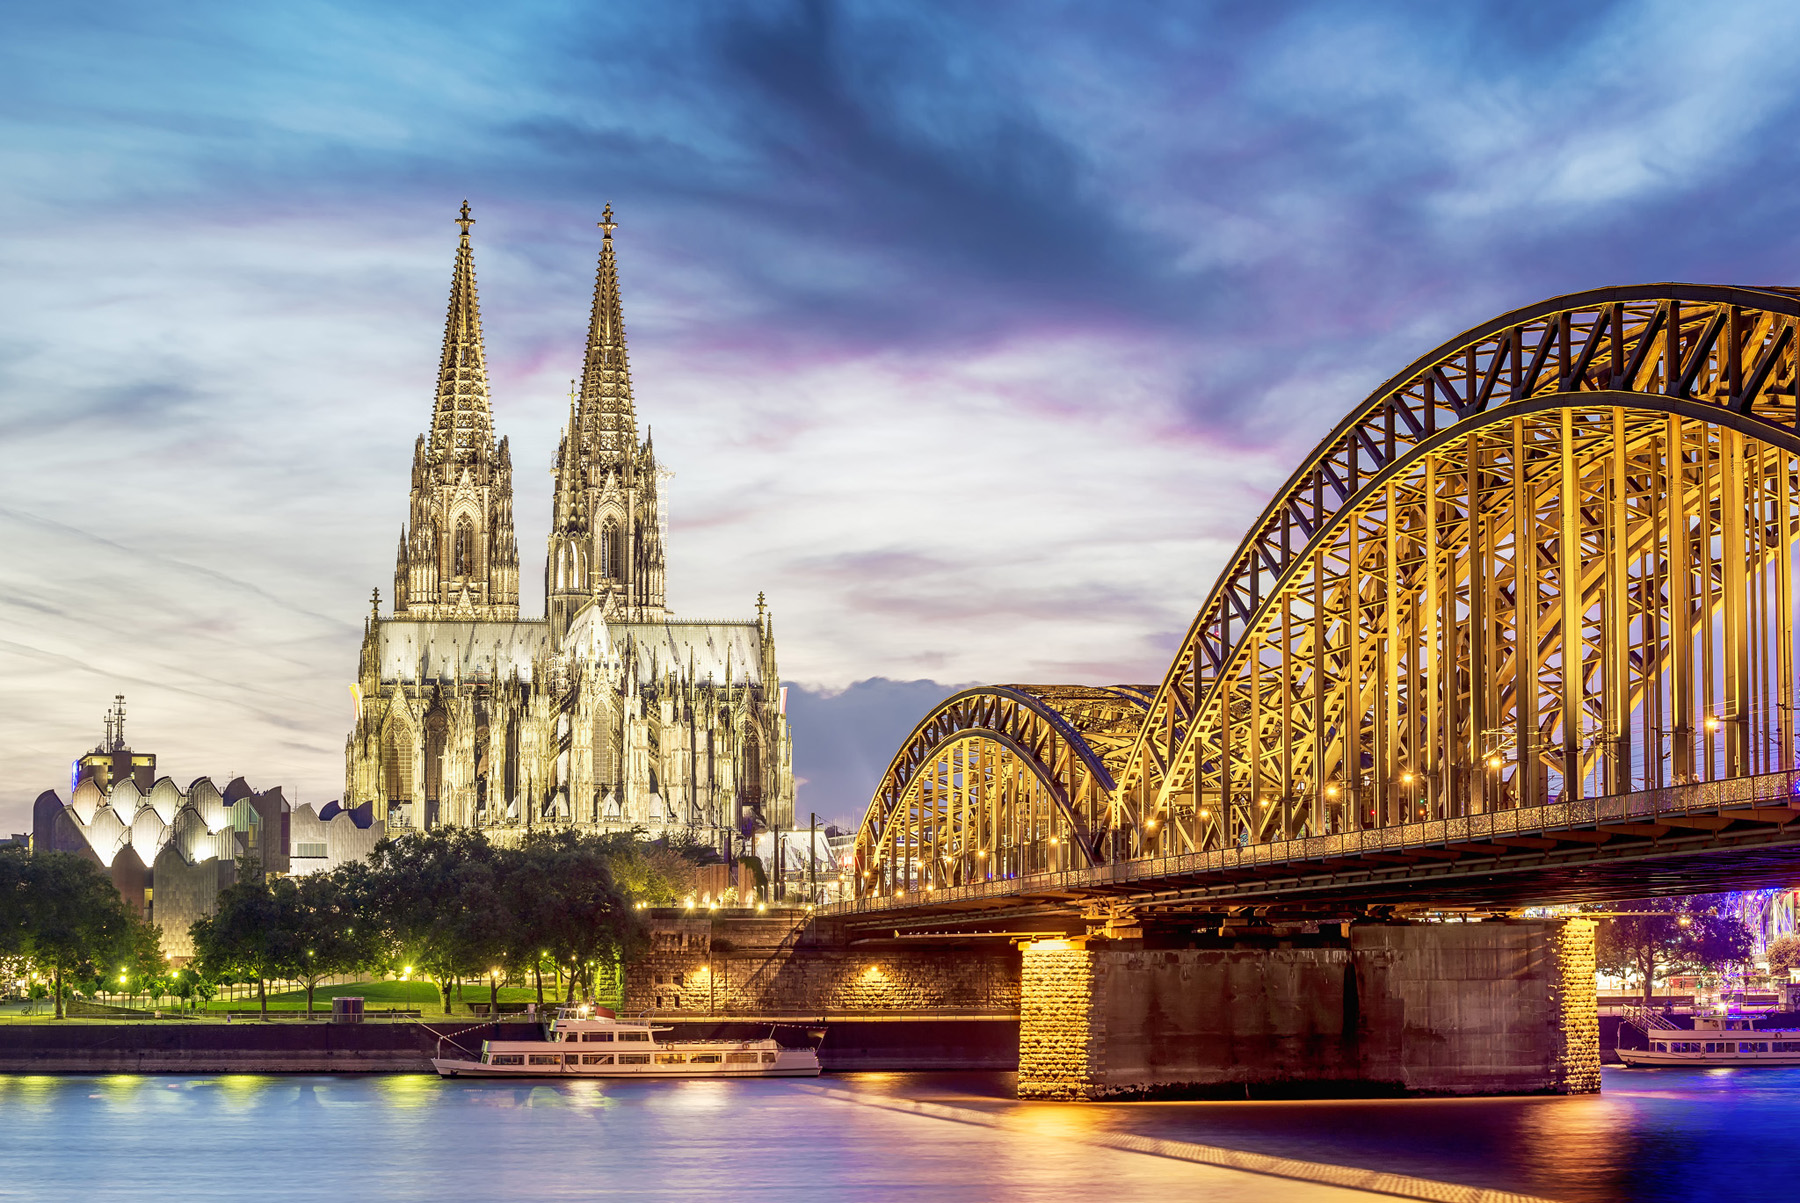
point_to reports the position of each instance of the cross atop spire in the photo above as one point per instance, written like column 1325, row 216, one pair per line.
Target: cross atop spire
column 606, row 221
column 465, row 221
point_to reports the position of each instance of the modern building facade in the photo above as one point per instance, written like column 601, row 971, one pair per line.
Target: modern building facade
column 608, row 712
column 171, row 850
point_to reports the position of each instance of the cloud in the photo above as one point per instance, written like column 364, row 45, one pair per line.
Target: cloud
column 976, row 335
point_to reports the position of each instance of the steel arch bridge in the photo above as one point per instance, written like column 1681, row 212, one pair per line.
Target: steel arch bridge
column 1549, row 562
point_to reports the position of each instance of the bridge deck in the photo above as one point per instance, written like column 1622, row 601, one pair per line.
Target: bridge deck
column 1739, row 833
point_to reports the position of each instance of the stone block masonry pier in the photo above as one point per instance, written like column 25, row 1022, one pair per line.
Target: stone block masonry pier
column 1433, row 1008
column 1497, row 1007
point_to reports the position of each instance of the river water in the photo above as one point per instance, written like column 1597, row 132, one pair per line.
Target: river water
column 1652, row 1135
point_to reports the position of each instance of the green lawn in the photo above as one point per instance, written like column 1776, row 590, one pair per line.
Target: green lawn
column 413, row 995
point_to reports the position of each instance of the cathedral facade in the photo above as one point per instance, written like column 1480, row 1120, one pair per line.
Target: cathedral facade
column 608, row 712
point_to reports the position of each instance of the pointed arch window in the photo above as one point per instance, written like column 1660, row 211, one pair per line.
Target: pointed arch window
column 463, row 560
column 609, row 551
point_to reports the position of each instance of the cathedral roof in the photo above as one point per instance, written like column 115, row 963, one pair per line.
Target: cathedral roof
column 410, row 650
column 709, row 648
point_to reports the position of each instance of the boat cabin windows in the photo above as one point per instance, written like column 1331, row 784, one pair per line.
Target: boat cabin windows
column 740, row 1058
column 671, row 1058
column 768, row 1058
column 571, row 1058
column 601, row 1037
column 544, row 1059
column 506, row 1059
column 634, row 1035
column 634, row 1058
column 704, row 1059
column 596, row 1059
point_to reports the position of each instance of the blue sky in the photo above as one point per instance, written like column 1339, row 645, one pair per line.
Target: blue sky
column 975, row 334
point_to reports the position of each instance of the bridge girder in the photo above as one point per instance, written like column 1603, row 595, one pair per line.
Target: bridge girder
column 1608, row 481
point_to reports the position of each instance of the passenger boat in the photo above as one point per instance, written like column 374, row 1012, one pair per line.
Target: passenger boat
column 591, row 1042
column 1715, row 1040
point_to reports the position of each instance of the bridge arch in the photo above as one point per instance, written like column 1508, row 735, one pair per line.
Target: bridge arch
column 1617, row 394
column 996, row 782
column 1552, row 557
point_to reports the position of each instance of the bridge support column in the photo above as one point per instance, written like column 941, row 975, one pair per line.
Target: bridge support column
column 1475, row 1008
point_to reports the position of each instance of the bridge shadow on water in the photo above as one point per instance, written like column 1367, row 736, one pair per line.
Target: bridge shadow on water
column 1652, row 1135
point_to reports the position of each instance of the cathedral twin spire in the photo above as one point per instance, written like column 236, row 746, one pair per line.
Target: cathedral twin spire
column 606, row 542
column 461, row 420
column 458, row 558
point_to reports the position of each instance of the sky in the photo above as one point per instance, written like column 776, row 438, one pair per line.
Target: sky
column 976, row 335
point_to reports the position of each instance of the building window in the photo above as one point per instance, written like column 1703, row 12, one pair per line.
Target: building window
column 302, row 851
column 609, row 552
column 463, row 561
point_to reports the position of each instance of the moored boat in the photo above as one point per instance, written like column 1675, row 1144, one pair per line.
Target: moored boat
column 1715, row 1040
column 591, row 1042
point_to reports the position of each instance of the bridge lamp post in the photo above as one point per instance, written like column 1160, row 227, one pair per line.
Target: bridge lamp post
column 1406, row 794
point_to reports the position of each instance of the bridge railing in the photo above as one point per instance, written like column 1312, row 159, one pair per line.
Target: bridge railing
column 1772, row 789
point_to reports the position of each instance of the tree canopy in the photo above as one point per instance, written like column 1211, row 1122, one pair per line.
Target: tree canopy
column 1660, row 936
column 63, row 912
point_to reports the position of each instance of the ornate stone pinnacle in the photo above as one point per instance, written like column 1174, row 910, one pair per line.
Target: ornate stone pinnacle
column 606, row 221
column 465, row 221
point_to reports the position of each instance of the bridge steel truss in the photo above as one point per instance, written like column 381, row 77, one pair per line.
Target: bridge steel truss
column 996, row 783
column 1551, row 560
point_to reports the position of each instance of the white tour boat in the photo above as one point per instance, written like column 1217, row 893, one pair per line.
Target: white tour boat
column 584, row 1042
column 1715, row 1040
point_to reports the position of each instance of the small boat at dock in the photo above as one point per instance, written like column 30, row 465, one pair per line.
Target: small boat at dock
column 591, row 1042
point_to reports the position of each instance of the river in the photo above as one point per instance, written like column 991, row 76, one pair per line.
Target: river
column 1652, row 1135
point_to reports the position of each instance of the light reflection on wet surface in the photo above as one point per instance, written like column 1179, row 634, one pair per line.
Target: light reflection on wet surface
column 1662, row 1135
column 1651, row 1135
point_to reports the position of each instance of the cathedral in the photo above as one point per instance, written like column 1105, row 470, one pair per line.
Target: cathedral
column 608, row 712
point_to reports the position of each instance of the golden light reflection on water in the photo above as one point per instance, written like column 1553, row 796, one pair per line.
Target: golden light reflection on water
column 407, row 1092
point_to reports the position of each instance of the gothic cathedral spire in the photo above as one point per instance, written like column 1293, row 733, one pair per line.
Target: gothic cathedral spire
column 606, row 537
column 458, row 557
column 608, row 418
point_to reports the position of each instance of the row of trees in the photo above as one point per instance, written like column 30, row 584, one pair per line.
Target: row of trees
column 453, row 906
column 447, row 902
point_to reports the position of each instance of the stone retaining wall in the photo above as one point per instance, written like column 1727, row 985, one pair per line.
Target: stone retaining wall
column 702, row 966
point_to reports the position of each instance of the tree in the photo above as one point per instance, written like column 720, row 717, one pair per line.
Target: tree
column 436, row 895
column 1667, row 935
column 1784, row 955
column 64, row 912
column 327, row 937
column 568, row 905
column 242, row 937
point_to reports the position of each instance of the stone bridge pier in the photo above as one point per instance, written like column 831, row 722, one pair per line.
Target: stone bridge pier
column 1496, row 1007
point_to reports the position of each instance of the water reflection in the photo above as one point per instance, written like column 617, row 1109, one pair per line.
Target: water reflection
column 1661, row 1135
